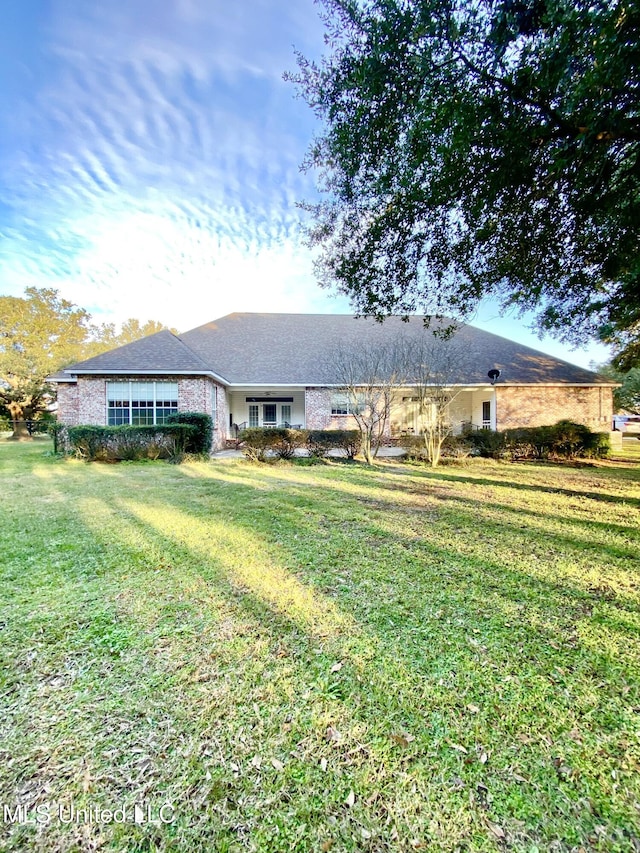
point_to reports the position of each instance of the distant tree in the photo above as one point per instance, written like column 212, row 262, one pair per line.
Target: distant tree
column 475, row 149
column 39, row 334
column 106, row 337
column 627, row 397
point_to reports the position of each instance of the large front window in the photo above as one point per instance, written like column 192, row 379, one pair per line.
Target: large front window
column 141, row 403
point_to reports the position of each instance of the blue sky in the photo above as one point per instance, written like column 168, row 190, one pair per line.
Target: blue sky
column 150, row 160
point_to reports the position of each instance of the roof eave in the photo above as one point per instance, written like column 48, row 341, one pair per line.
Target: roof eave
column 139, row 372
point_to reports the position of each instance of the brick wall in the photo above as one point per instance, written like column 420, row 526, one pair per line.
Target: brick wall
column 318, row 412
column 86, row 402
column 318, row 408
column 221, row 424
column 67, row 412
column 545, row 404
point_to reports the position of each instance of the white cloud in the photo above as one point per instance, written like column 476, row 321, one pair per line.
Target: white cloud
column 155, row 166
column 161, row 157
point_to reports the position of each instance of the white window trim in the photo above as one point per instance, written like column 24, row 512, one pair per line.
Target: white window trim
column 131, row 383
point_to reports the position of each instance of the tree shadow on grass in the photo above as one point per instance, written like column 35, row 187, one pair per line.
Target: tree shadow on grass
column 417, row 629
column 501, row 482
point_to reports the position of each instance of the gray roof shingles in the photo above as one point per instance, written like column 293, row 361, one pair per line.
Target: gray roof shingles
column 162, row 351
column 295, row 349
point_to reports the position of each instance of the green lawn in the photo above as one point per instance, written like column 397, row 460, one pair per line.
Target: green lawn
column 314, row 658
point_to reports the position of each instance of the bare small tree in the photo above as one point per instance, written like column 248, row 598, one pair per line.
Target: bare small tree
column 434, row 370
column 371, row 377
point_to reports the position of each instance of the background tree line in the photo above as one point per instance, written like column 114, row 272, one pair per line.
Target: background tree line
column 41, row 333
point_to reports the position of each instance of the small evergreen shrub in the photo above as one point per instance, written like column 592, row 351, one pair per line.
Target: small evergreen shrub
column 529, row 442
column 487, row 443
column 114, row 444
column 203, row 437
column 321, row 441
column 258, row 441
column 415, row 448
column 282, row 442
column 454, row 448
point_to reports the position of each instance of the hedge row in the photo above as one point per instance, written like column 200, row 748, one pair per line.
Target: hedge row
column 564, row 440
column 258, row 442
column 114, row 444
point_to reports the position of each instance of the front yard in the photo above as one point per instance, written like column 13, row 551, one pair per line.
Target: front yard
column 315, row 658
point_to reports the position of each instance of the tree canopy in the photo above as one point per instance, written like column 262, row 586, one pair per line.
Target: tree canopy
column 627, row 396
column 474, row 149
column 40, row 333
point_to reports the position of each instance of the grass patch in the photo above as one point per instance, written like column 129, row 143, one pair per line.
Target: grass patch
column 320, row 658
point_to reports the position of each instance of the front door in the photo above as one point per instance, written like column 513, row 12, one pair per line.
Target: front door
column 269, row 414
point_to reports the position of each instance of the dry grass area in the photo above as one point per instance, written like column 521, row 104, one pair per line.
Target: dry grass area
column 303, row 657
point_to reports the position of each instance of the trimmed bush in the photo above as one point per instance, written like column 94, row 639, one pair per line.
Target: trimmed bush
column 282, row 442
column 201, row 440
column 290, row 440
column 113, row 444
column 529, row 442
column 454, row 447
column 255, row 441
column 321, row 441
column 564, row 440
column 487, row 443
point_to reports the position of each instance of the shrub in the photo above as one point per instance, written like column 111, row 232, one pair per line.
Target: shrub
column 570, row 440
column 415, row 448
column 321, row 441
column 454, row 447
column 564, row 440
column 288, row 440
column 529, row 442
column 282, row 442
column 203, row 437
column 119, row 443
column 599, row 445
column 487, row 443
column 351, row 442
column 58, row 433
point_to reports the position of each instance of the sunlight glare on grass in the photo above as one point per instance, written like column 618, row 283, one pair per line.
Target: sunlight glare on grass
column 244, row 558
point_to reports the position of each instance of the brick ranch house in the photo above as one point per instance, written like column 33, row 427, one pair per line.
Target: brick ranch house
column 271, row 369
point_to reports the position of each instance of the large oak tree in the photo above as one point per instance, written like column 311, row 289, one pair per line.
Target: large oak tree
column 477, row 148
column 40, row 333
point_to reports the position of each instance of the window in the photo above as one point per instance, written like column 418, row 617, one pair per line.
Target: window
column 486, row 414
column 344, row 403
column 339, row 404
column 140, row 403
column 286, row 414
column 253, row 416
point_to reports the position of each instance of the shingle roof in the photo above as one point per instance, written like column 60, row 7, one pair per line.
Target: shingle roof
column 162, row 352
column 295, row 349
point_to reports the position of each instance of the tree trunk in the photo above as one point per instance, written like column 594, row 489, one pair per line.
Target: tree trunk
column 20, row 431
column 366, row 448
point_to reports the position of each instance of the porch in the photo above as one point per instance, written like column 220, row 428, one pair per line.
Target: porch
column 468, row 409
